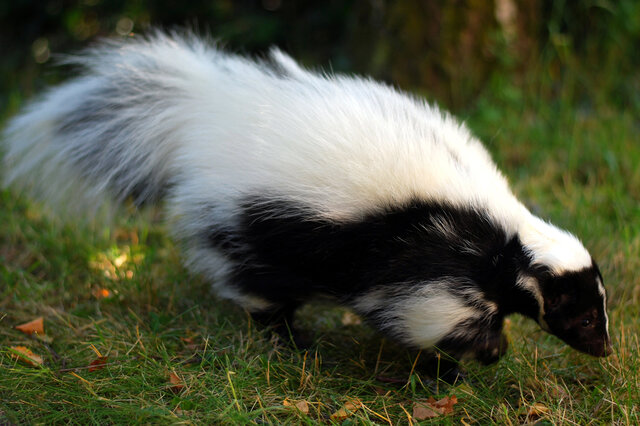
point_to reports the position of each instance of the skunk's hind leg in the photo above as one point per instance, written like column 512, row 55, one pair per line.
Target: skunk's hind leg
column 280, row 321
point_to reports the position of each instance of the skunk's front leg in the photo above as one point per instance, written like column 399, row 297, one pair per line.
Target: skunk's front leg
column 481, row 340
column 491, row 347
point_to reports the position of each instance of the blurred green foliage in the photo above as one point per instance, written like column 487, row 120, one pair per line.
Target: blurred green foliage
column 453, row 52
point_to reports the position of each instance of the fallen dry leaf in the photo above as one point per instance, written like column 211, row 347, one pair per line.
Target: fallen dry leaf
column 347, row 410
column 98, row 363
column 431, row 408
column 25, row 355
column 537, row 410
column 422, row 411
column 35, row 326
column 446, row 403
column 302, row 406
column 176, row 381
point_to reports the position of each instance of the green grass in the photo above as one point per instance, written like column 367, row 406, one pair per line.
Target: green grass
column 578, row 169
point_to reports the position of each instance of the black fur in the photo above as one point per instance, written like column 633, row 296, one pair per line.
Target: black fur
column 570, row 300
column 287, row 256
column 281, row 244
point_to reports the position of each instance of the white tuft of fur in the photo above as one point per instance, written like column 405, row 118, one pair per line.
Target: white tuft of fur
column 553, row 247
column 603, row 293
column 426, row 314
column 174, row 116
column 432, row 315
column 531, row 285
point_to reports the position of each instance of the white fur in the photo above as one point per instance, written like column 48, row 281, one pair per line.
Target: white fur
column 423, row 316
column 603, row 293
column 553, row 247
column 219, row 127
column 530, row 285
column 432, row 315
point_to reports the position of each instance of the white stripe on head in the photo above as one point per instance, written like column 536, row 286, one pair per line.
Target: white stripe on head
column 530, row 285
column 552, row 247
column 603, row 293
column 601, row 289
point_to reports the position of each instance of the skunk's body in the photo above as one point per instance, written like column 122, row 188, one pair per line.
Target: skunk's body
column 284, row 184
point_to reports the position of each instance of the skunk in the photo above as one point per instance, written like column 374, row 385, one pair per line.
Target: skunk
column 284, row 184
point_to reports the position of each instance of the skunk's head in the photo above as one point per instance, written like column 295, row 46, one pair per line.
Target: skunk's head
column 575, row 309
column 570, row 290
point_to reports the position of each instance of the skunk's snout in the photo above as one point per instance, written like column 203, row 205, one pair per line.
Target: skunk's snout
column 608, row 349
column 599, row 348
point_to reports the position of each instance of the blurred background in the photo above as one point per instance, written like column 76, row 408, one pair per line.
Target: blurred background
column 463, row 54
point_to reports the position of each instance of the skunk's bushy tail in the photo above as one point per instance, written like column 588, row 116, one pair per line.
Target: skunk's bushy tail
column 113, row 131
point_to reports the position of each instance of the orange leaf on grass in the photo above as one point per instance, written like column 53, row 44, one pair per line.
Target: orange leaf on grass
column 35, row 326
column 176, row 381
column 445, row 404
column 347, row 410
column 25, row 355
column 302, row 406
column 536, row 411
column 431, row 408
column 98, row 363
column 423, row 411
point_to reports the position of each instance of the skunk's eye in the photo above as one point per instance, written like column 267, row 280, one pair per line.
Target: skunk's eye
column 586, row 322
